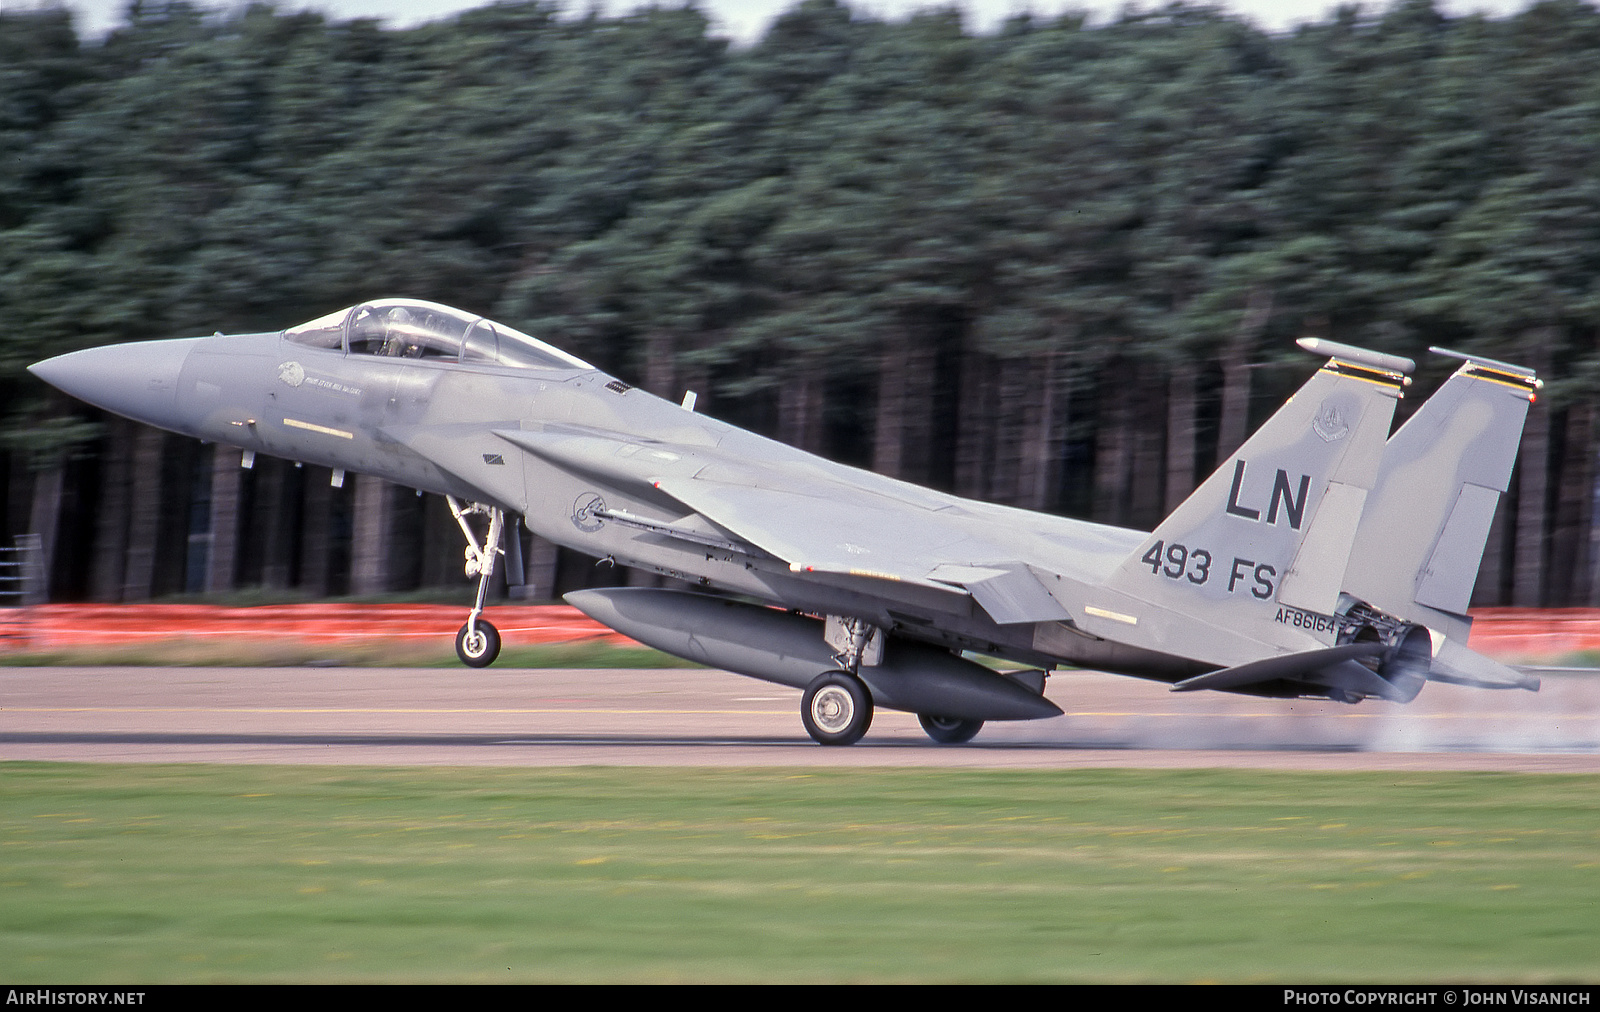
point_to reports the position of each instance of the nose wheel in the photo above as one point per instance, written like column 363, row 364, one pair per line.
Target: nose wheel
column 478, row 642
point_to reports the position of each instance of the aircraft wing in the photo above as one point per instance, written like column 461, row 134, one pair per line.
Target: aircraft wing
column 816, row 517
column 830, row 528
column 840, row 528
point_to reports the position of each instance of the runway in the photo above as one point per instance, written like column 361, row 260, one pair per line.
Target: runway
column 521, row 717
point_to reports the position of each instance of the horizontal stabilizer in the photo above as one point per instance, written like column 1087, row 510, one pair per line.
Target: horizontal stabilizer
column 1290, row 666
column 1460, row 665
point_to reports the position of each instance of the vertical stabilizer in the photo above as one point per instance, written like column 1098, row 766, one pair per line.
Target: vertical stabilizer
column 1274, row 525
column 1427, row 519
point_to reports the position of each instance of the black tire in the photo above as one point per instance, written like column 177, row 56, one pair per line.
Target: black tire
column 949, row 730
column 836, row 709
column 481, row 650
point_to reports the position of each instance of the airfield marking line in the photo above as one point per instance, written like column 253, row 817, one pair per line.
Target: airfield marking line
column 1141, row 714
column 320, row 709
column 1305, row 716
column 113, row 637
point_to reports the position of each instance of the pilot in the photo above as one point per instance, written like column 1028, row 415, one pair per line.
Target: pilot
column 400, row 332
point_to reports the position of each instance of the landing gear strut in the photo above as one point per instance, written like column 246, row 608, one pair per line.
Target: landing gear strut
column 478, row 642
column 837, row 706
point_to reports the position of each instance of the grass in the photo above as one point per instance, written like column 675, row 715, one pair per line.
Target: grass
column 271, row 873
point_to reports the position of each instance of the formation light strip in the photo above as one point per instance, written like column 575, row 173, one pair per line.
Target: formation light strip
column 295, row 423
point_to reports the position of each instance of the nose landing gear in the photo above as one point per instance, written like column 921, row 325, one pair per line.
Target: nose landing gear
column 478, row 642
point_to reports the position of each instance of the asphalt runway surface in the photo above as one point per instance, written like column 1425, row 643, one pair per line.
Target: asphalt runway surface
column 566, row 717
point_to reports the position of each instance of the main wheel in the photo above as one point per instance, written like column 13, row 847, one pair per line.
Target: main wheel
column 836, row 709
column 949, row 730
column 480, row 650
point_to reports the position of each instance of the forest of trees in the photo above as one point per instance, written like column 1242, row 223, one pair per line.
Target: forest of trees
column 1060, row 266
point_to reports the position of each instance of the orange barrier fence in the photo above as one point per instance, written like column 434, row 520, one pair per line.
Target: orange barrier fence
column 1499, row 632
column 62, row 626
column 1535, row 632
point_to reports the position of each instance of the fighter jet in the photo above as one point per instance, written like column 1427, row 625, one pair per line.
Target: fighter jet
column 1323, row 558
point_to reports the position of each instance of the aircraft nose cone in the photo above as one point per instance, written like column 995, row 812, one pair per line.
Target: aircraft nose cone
column 139, row 380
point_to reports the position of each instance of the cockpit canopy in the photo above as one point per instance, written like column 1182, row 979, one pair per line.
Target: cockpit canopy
column 411, row 328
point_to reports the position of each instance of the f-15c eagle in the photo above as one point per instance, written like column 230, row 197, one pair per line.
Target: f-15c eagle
column 1325, row 557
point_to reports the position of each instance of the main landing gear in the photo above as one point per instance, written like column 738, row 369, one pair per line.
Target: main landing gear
column 837, row 706
column 478, row 642
column 949, row 730
column 836, row 709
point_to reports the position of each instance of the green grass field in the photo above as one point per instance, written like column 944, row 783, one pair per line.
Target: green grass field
column 142, row 874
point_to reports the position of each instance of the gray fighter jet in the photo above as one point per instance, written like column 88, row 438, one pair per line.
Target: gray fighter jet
column 1323, row 558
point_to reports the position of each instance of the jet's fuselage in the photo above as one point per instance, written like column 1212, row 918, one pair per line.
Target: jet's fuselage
column 1270, row 578
column 453, row 428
